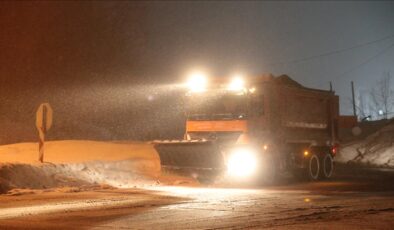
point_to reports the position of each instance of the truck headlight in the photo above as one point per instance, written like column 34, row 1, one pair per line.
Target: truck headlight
column 197, row 82
column 242, row 162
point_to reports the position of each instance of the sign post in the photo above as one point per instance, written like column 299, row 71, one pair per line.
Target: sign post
column 43, row 124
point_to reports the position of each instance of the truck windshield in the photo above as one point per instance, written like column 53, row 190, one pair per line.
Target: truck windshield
column 216, row 107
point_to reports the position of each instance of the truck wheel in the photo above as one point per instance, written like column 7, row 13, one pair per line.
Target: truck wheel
column 314, row 167
column 327, row 163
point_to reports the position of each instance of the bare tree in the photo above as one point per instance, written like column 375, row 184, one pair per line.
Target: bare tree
column 383, row 96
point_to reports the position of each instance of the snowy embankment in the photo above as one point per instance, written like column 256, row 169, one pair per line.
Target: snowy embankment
column 78, row 164
column 377, row 150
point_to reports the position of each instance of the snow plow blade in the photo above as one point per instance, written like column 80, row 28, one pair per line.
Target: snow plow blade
column 184, row 154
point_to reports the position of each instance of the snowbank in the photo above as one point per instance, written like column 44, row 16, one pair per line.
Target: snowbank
column 78, row 163
column 74, row 151
column 25, row 176
column 376, row 150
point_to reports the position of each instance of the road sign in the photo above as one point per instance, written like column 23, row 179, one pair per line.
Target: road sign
column 44, row 117
column 43, row 123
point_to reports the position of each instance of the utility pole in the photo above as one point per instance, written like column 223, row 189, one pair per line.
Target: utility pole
column 353, row 100
column 330, row 86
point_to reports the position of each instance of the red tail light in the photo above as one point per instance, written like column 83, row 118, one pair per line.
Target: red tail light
column 334, row 149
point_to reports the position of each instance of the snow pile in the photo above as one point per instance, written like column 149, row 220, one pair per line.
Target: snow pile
column 78, row 164
column 122, row 174
column 25, row 176
column 76, row 151
column 375, row 150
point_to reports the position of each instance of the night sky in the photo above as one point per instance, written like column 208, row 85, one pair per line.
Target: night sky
column 106, row 67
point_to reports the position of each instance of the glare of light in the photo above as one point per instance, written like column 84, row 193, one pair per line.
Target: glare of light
column 307, row 200
column 241, row 163
column 306, row 153
column 197, row 82
column 265, row 147
column 236, row 84
column 252, row 90
column 209, row 193
column 380, row 112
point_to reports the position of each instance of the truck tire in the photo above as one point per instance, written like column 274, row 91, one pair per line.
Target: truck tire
column 314, row 168
column 327, row 165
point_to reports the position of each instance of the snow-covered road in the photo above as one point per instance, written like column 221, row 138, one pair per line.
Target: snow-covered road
column 363, row 202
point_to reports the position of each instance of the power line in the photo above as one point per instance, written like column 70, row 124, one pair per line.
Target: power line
column 332, row 52
column 386, row 49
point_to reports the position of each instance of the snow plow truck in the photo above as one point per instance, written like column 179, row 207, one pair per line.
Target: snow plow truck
column 254, row 127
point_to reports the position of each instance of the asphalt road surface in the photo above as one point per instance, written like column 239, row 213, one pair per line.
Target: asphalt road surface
column 354, row 199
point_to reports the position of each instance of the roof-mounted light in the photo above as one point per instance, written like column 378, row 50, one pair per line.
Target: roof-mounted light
column 197, row 82
column 236, row 84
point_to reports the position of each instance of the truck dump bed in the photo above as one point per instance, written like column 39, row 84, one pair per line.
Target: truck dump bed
column 300, row 114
